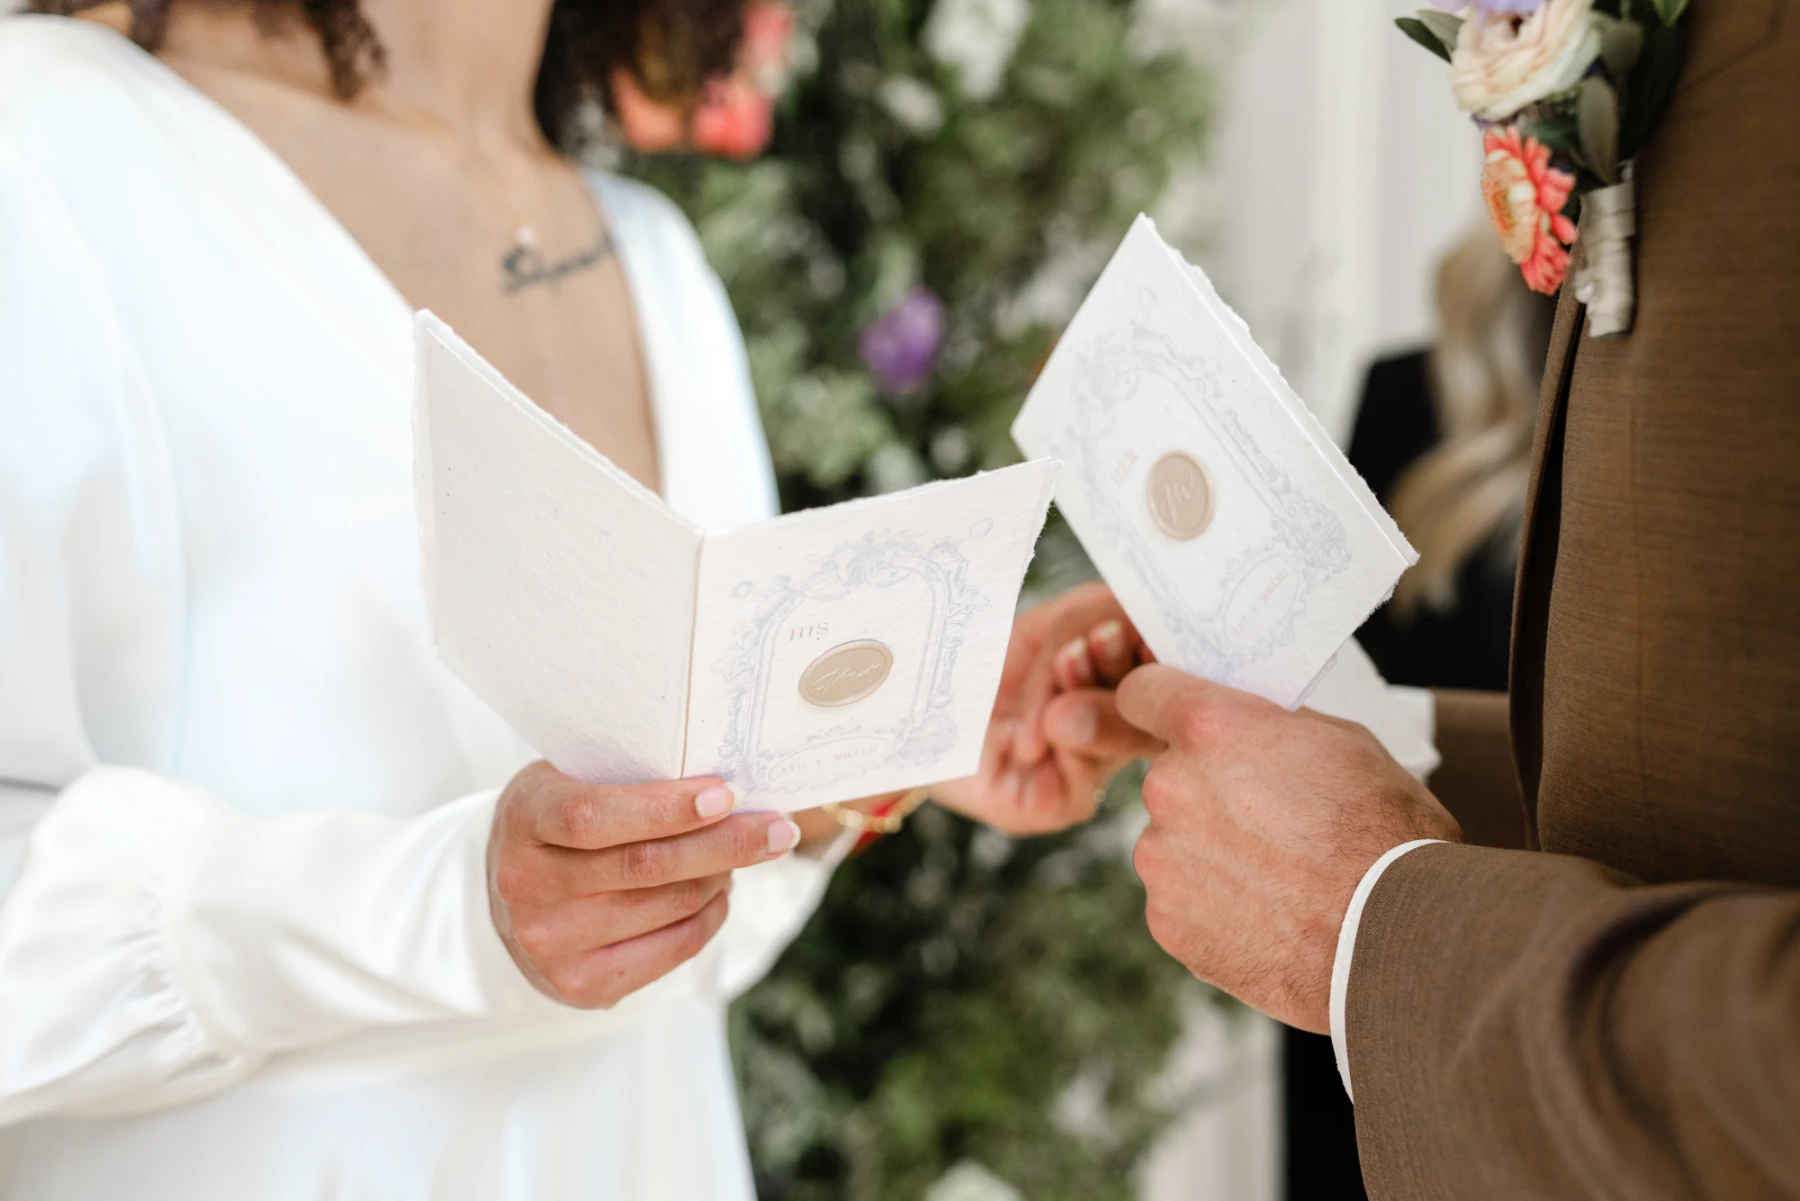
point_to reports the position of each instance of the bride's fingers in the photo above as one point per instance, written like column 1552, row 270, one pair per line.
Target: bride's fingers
column 603, row 978
column 571, row 931
column 1113, row 646
column 1054, row 623
column 1075, row 666
column 742, row 840
column 1087, row 721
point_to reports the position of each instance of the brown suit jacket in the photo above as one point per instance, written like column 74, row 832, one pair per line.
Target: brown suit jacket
column 1615, row 1013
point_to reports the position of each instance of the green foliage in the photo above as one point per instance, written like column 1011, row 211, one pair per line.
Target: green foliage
column 1597, row 118
column 858, row 199
column 1419, row 32
column 954, row 985
column 1434, row 30
column 1652, row 84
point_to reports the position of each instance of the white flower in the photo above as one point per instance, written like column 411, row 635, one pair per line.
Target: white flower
column 976, row 38
column 915, row 105
column 1504, row 62
column 969, row 1181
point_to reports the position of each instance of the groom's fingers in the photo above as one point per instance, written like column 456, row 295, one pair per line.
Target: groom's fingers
column 1087, row 721
column 1183, row 710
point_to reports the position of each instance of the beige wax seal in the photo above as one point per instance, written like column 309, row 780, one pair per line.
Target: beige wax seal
column 845, row 674
column 1180, row 496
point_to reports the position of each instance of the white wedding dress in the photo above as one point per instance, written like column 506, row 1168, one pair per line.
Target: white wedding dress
column 245, row 953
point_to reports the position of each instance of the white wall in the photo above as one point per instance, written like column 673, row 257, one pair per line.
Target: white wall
column 1340, row 171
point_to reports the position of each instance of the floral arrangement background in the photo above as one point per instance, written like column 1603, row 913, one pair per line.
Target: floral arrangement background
column 966, row 1016
column 1567, row 93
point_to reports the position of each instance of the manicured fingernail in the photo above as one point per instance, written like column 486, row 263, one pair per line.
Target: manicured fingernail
column 716, row 800
column 1074, row 725
column 784, row 835
column 1076, row 649
column 1112, row 633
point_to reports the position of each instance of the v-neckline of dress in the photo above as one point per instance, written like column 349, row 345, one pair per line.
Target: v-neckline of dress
column 307, row 203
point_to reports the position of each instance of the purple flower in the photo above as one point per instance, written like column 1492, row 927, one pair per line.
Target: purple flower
column 1489, row 8
column 901, row 346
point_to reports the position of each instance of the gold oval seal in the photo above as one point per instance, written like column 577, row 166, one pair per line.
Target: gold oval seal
column 846, row 674
column 1180, row 496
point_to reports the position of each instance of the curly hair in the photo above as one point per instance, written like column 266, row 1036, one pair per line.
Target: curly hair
column 673, row 47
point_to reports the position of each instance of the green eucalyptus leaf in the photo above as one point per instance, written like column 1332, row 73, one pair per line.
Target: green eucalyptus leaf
column 1652, row 83
column 1670, row 10
column 1445, row 27
column 1620, row 44
column 1561, row 134
column 1597, row 117
column 1421, row 33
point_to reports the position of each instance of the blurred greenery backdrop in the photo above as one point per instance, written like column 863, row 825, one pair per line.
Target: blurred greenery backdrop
column 967, row 1018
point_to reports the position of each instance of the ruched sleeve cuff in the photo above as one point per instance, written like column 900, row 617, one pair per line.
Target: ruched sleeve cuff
column 93, row 1006
column 158, row 945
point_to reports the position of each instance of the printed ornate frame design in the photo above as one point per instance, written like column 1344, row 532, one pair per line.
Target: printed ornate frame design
column 1106, row 379
column 877, row 560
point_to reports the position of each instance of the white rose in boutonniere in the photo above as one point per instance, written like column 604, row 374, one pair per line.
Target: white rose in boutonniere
column 1512, row 53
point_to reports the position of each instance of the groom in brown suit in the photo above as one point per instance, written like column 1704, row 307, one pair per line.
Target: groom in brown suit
column 1611, row 1010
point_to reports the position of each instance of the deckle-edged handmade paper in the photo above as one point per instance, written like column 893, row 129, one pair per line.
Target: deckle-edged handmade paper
column 1240, row 540
column 820, row 656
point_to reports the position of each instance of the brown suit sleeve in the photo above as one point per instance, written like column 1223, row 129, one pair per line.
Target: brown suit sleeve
column 1477, row 781
column 1524, row 1025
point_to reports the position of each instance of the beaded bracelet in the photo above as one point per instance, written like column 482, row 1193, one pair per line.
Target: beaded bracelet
column 886, row 818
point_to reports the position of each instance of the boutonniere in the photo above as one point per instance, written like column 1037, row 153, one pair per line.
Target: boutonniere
column 1566, row 93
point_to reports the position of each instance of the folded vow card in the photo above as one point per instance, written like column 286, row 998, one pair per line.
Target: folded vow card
column 1240, row 540
column 820, row 656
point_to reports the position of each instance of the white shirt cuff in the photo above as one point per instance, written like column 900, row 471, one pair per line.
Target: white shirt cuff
column 1346, row 947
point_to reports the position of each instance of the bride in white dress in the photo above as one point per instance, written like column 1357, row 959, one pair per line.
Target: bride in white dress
column 285, row 915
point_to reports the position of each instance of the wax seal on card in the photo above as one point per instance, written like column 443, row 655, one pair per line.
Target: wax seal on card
column 846, row 674
column 1180, row 496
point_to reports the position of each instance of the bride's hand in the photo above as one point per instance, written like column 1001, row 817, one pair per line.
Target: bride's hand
column 1055, row 737
column 598, row 890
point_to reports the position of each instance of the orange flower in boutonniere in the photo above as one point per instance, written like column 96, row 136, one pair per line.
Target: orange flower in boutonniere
column 1525, row 198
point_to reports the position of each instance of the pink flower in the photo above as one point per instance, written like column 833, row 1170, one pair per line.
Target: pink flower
column 735, row 120
column 735, row 114
column 1525, row 196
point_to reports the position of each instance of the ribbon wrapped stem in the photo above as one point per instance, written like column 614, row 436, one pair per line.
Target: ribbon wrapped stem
column 1605, row 283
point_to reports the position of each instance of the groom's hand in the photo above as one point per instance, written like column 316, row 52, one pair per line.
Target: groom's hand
column 1262, row 822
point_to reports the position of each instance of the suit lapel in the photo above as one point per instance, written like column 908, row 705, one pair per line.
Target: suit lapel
column 1537, row 556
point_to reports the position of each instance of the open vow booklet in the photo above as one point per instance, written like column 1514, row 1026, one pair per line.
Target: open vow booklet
column 1240, row 540
column 825, row 655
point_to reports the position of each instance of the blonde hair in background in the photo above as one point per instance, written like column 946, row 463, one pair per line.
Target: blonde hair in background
column 1484, row 374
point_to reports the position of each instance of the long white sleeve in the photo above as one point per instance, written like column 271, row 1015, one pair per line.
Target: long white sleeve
column 155, row 943
column 237, row 888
